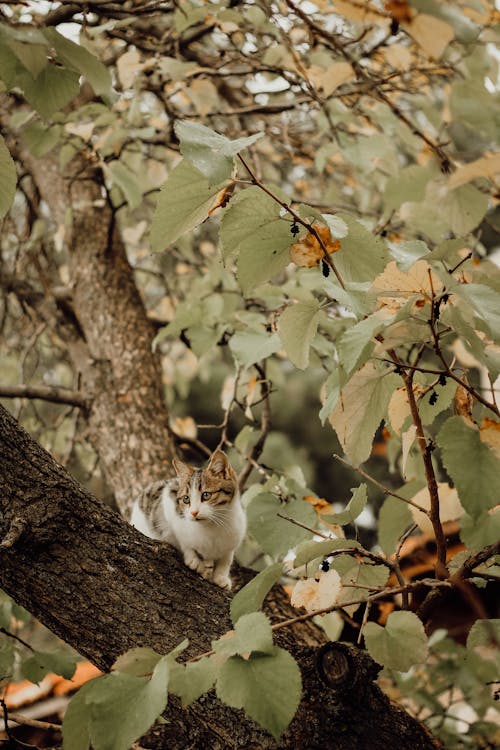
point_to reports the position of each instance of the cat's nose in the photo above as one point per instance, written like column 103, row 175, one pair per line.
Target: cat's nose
column 194, row 513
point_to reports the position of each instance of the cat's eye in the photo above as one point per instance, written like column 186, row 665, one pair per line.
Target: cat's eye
column 205, row 495
column 185, row 499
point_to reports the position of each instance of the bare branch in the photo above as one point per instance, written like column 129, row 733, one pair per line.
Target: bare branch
column 385, row 490
column 46, row 393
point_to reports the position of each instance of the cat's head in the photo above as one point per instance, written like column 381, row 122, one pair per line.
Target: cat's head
column 205, row 494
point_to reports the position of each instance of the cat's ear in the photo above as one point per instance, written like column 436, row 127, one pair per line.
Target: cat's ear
column 219, row 464
column 182, row 470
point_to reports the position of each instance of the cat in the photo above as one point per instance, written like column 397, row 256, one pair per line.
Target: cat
column 199, row 513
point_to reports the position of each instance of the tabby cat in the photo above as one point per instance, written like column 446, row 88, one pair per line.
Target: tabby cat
column 199, row 512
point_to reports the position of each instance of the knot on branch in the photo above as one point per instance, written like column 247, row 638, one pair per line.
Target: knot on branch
column 342, row 667
column 14, row 532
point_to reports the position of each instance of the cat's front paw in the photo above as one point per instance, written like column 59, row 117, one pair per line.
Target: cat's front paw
column 223, row 581
column 192, row 561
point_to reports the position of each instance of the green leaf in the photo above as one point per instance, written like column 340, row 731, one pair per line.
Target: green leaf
column 10, row 67
column 400, row 645
column 407, row 253
column 445, row 393
column 481, row 530
column 39, row 139
column 363, row 574
column 211, row 153
column 484, row 633
column 253, row 228
column 464, row 208
column 52, row 90
column 183, row 203
column 76, row 57
column 394, row 517
column 41, row 663
column 471, row 464
column 297, row 328
column 484, row 300
column 5, row 614
column 32, row 56
column 123, row 707
column 361, row 408
column 75, row 726
column 363, row 256
column 308, row 551
column 8, row 179
column 189, row 681
column 354, row 507
column 267, row 687
column 122, row 176
column 330, row 393
column 249, row 347
column 250, row 597
column 277, row 535
column 407, row 185
column 338, row 228
column 139, row 661
column 356, row 345
column 252, row 634
column 7, row 657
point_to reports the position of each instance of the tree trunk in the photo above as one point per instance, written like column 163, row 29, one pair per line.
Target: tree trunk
column 104, row 588
column 127, row 416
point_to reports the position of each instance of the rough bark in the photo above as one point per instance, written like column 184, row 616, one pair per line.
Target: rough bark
column 127, row 416
column 103, row 587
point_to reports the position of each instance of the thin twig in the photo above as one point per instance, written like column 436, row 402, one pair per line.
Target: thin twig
column 426, row 452
column 16, row 638
column 227, row 413
column 374, row 597
column 35, row 723
column 265, row 424
column 385, row 489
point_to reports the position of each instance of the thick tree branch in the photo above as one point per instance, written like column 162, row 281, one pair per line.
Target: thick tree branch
column 104, row 588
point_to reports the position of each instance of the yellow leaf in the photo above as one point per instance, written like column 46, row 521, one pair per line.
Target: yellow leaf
column 399, row 57
column 432, row 34
column 394, row 287
column 128, row 65
column 489, row 432
column 450, row 508
column 84, row 129
column 328, row 80
column 313, row 595
column 184, row 427
column 360, row 10
column 308, row 252
column 487, row 166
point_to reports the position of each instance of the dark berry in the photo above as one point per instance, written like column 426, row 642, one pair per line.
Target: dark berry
column 442, row 379
column 294, row 229
column 325, row 566
column 433, row 398
column 325, row 269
